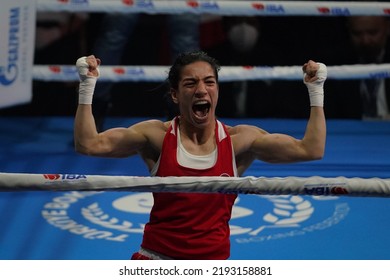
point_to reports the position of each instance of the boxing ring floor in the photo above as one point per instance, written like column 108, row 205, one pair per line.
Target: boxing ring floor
column 47, row 225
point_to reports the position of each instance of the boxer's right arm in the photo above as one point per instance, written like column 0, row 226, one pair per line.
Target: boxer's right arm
column 115, row 142
column 85, row 133
column 88, row 69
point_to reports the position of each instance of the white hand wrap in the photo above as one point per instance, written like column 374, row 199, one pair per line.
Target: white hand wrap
column 316, row 88
column 87, row 83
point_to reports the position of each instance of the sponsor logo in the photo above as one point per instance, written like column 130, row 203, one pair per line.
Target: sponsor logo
column 119, row 70
column 326, row 190
column 67, row 70
column 137, row 71
column 9, row 72
column 55, row 69
column 128, row 2
column 52, row 176
column 380, row 75
column 139, row 3
column 59, row 178
column 77, row 2
column 269, row 8
column 114, row 217
column 336, row 11
column 209, row 5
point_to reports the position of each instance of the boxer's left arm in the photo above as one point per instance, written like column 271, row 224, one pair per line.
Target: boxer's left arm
column 281, row 148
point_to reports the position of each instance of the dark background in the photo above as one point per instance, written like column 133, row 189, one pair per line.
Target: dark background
column 283, row 41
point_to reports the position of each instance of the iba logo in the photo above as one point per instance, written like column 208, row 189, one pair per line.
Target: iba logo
column 114, row 217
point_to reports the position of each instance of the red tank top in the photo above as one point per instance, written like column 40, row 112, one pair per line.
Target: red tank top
column 192, row 225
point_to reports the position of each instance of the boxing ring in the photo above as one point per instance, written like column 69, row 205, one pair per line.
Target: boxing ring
column 104, row 224
column 338, row 208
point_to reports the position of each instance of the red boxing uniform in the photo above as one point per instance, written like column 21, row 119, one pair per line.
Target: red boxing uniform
column 191, row 225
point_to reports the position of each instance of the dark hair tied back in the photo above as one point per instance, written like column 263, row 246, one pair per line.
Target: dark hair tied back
column 187, row 58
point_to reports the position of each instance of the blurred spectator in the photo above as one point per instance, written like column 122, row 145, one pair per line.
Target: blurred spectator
column 243, row 39
column 368, row 43
column 59, row 39
column 117, row 29
column 293, row 39
column 59, row 32
column 270, row 41
column 239, row 42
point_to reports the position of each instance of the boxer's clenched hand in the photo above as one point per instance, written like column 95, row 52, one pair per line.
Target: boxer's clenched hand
column 314, row 76
column 88, row 69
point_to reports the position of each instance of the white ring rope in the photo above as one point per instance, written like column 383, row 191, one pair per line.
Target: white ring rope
column 226, row 8
column 227, row 73
column 338, row 186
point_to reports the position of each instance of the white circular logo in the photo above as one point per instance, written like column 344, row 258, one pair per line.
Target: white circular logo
column 255, row 218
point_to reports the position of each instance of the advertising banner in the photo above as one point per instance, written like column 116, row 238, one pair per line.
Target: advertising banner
column 17, row 29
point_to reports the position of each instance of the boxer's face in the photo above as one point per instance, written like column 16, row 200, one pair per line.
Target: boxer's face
column 197, row 93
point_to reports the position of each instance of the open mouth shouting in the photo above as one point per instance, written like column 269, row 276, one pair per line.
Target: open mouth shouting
column 201, row 109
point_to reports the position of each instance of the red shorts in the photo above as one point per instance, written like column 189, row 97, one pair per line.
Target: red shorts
column 138, row 256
